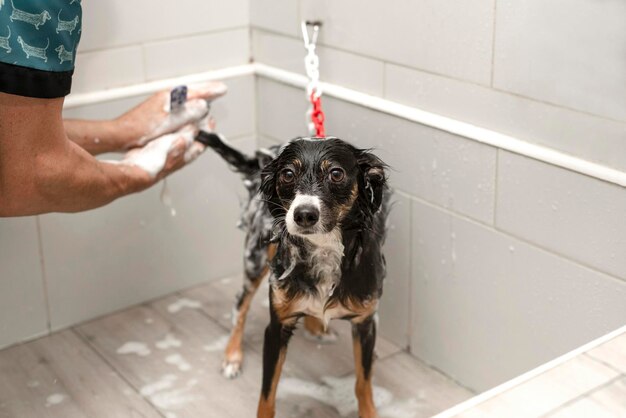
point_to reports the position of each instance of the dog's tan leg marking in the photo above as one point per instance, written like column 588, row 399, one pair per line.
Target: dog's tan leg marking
column 233, row 355
column 363, row 386
column 267, row 406
column 364, row 332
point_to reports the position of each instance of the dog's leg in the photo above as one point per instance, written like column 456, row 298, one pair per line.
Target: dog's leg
column 364, row 339
column 314, row 330
column 277, row 337
column 233, row 355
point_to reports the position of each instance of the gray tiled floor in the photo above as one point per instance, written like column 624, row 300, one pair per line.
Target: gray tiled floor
column 172, row 361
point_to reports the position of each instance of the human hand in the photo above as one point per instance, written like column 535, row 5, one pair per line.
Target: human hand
column 166, row 154
column 152, row 118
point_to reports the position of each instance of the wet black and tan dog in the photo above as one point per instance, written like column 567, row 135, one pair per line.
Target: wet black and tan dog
column 316, row 217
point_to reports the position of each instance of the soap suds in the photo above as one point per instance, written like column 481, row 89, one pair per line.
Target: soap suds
column 55, row 399
column 217, row 345
column 183, row 303
column 168, row 342
column 192, row 111
column 166, row 198
column 165, row 382
column 153, row 156
column 338, row 392
column 172, row 399
column 178, row 361
column 133, row 347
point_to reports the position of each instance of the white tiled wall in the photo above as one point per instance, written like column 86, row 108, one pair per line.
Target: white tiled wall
column 508, row 262
column 126, row 42
column 551, row 74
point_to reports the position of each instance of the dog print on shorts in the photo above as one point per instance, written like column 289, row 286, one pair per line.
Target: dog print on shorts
column 40, row 34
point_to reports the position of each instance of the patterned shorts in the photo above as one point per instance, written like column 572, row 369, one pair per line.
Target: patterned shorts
column 38, row 41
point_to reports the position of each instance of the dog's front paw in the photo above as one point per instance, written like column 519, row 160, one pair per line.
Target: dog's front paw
column 231, row 369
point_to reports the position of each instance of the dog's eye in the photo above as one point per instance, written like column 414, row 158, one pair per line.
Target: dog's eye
column 287, row 176
column 337, row 174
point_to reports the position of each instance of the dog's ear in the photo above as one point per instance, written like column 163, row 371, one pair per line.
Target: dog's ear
column 269, row 176
column 374, row 179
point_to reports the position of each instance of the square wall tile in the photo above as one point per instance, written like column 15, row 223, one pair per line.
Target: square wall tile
column 108, row 68
column 580, row 134
column 487, row 307
column 433, row 35
column 281, row 110
column 115, row 23
column 276, row 15
column 196, row 53
column 134, row 250
column 568, row 52
column 22, row 299
column 235, row 113
column 578, row 216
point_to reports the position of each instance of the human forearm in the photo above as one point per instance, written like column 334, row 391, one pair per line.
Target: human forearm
column 96, row 137
column 70, row 180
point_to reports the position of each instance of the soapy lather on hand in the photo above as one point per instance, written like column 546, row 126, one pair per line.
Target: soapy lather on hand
column 165, row 140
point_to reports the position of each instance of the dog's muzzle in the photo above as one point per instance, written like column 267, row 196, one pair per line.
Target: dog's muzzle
column 306, row 216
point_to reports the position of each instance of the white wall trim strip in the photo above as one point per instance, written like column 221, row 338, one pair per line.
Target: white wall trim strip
column 491, row 393
column 413, row 114
column 82, row 99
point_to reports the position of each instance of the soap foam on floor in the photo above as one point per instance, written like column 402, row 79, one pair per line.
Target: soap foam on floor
column 165, row 382
column 183, row 303
column 134, row 347
column 178, row 361
column 55, row 399
column 168, row 342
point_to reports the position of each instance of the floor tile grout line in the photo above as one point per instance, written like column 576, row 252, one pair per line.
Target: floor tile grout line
column 582, row 395
column 44, row 276
column 604, row 363
column 117, row 372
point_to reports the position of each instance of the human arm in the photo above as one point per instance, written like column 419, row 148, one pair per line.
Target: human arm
column 41, row 170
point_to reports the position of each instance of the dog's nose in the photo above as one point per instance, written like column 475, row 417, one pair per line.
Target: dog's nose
column 306, row 215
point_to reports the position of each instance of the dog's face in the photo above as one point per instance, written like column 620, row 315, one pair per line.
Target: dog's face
column 315, row 184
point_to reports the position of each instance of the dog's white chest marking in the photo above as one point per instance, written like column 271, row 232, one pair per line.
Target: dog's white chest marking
column 325, row 261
